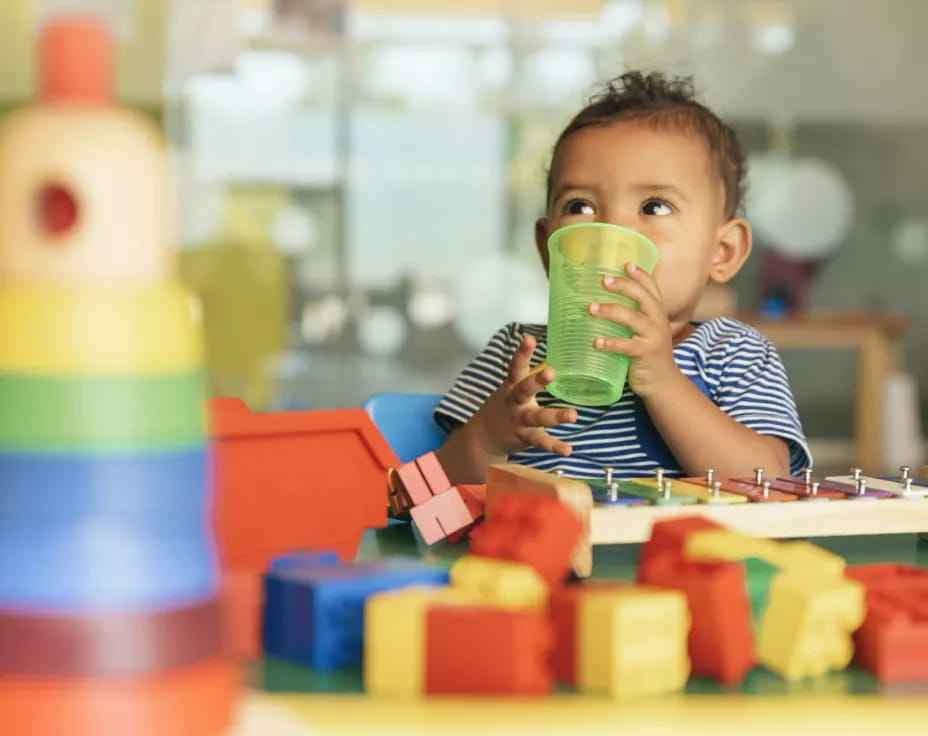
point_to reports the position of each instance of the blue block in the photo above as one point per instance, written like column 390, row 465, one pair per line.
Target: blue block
column 315, row 616
column 100, row 532
column 303, row 558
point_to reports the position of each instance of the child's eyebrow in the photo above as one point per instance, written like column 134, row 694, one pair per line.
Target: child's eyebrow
column 568, row 187
column 661, row 189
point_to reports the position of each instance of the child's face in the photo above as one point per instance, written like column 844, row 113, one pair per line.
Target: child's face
column 662, row 183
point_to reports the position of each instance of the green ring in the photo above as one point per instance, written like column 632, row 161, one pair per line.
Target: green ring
column 43, row 414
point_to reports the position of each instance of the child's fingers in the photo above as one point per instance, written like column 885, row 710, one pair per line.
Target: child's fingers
column 543, row 441
column 622, row 315
column 519, row 365
column 548, row 417
column 645, row 279
column 623, row 345
column 649, row 305
column 525, row 390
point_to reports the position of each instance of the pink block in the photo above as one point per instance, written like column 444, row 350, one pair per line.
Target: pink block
column 416, row 486
column 433, row 472
column 441, row 516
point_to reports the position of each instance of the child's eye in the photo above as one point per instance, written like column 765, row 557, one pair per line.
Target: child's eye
column 578, row 207
column 658, row 207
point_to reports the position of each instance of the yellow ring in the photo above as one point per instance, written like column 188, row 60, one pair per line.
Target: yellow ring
column 98, row 330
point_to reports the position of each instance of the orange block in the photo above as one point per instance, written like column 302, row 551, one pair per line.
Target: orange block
column 474, row 650
column 721, row 638
column 295, row 480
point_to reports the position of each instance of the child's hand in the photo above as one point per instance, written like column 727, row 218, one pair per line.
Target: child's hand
column 651, row 346
column 511, row 419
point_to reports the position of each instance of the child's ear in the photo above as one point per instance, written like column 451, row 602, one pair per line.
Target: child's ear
column 541, row 240
column 733, row 246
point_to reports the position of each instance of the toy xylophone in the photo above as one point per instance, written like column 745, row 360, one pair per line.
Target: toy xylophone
column 793, row 506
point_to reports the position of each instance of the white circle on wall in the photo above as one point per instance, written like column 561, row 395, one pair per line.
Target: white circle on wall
column 496, row 289
column 381, row 331
column 802, row 207
column 909, row 240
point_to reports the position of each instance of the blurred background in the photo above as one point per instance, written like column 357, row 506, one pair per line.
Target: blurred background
column 358, row 179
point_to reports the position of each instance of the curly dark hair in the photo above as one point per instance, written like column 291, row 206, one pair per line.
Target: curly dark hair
column 664, row 102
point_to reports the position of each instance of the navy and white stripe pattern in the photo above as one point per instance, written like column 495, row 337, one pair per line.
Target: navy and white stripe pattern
column 730, row 362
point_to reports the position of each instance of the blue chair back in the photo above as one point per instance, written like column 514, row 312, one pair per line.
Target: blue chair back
column 405, row 420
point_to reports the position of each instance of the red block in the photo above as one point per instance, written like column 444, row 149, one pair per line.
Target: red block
column 537, row 530
column 721, row 638
column 475, row 498
column 562, row 609
column 892, row 642
column 669, row 537
column 433, row 473
column 473, row 650
column 441, row 516
column 413, row 482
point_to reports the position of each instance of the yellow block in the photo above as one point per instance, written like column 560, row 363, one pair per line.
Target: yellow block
column 803, row 558
column 500, row 582
column 632, row 643
column 98, row 331
column 806, row 628
column 727, row 545
column 395, row 638
column 808, row 559
column 703, row 494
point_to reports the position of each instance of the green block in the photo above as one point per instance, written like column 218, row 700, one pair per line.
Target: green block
column 43, row 414
column 758, row 573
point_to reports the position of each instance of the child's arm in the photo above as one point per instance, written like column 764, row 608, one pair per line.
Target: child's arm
column 698, row 432
column 701, row 436
column 510, row 420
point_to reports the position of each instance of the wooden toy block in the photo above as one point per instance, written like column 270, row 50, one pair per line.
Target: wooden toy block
column 500, row 582
column 574, row 493
column 474, row 650
column 805, row 558
column 670, row 537
column 562, row 611
column 315, row 615
column 241, row 602
column 892, row 642
column 539, row 531
column 805, row 631
column 292, row 480
column 433, row 473
column 413, row 484
column 394, row 638
column 721, row 639
column 441, row 516
column 632, row 642
column 693, row 490
column 475, row 498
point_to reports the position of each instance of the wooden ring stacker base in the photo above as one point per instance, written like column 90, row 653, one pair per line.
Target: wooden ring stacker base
column 109, row 645
column 195, row 701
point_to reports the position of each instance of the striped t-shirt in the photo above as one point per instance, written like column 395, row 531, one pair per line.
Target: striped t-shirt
column 730, row 362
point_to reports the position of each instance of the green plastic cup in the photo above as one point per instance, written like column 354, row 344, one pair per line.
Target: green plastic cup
column 580, row 256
